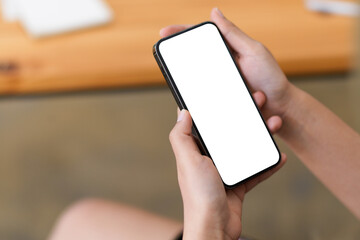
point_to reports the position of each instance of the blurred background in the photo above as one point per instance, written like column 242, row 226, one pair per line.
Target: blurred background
column 85, row 112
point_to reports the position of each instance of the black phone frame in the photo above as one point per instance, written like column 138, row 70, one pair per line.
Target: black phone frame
column 181, row 103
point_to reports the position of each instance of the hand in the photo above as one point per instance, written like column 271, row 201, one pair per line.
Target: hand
column 258, row 66
column 210, row 211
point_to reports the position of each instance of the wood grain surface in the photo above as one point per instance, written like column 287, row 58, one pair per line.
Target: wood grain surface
column 120, row 54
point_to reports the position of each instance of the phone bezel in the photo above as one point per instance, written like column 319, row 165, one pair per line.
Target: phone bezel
column 181, row 103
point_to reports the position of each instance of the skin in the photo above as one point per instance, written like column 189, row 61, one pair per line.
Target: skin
column 324, row 143
column 210, row 211
column 95, row 219
column 101, row 219
column 302, row 122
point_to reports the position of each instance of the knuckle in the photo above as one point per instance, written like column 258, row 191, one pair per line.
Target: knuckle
column 258, row 47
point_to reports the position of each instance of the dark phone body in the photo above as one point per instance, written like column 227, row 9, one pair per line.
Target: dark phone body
column 182, row 104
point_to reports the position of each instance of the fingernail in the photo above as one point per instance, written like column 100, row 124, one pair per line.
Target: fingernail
column 181, row 115
column 219, row 12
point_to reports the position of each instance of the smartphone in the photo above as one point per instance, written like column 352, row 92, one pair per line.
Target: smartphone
column 204, row 79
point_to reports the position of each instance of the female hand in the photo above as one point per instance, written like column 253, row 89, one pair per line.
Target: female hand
column 210, row 211
column 258, row 67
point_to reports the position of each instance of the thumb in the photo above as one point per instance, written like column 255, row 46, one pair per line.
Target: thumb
column 236, row 38
column 181, row 137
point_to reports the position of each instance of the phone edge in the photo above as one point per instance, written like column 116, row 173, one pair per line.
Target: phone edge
column 181, row 103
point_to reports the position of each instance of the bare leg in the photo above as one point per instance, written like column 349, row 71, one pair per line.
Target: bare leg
column 105, row 220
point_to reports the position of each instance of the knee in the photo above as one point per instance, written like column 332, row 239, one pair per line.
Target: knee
column 75, row 218
column 79, row 211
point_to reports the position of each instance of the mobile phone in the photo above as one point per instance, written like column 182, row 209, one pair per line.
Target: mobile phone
column 205, row 80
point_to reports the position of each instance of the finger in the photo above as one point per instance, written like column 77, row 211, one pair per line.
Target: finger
column 274, row 124
column 253, row 182
column 259, row 98
column 236, row 38
column 166, row 31
column 181, row 138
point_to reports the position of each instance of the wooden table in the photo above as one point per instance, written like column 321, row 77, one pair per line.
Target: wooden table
column 119, row 54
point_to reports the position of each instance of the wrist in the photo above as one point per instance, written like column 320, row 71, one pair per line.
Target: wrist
column 292, row 112
column 288, row 99
column 200, row 226
column 204, row 234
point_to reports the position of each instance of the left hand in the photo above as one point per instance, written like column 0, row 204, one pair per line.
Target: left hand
column 210, row 210
column 257, row 65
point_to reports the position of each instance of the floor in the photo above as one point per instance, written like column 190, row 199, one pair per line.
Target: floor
column 57, row 149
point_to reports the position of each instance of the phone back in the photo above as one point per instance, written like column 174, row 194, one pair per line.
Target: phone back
column 205, row 80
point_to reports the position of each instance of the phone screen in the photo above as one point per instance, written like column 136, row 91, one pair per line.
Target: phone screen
column 202, row 71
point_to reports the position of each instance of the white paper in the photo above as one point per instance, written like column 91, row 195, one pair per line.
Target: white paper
column 10, row 10
column 48, row 17
column 334, row 7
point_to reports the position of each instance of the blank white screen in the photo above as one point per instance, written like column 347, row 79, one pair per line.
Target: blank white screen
column 219, row 103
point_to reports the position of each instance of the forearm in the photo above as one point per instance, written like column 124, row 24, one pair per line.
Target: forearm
column 325, row 144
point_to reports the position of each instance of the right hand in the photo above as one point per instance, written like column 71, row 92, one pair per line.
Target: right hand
column 258, row 66
column 210, row 210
